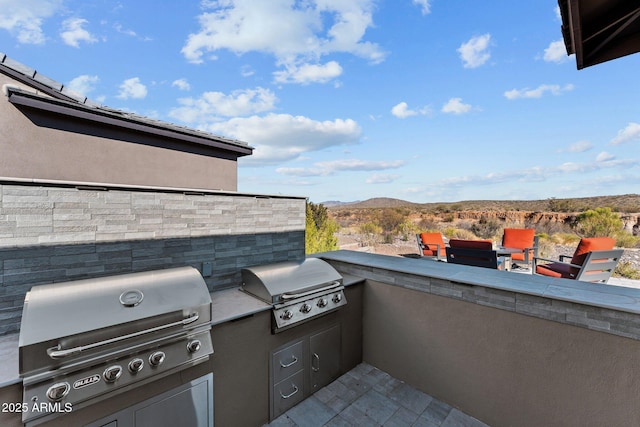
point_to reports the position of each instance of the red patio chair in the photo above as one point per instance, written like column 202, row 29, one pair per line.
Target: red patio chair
column 593, row 261
column 521, row 238
column 431, row 245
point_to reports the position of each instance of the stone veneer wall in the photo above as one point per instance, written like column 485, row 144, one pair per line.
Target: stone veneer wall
column 54, row 233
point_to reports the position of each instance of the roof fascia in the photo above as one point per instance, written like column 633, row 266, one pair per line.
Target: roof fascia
column 82, row 112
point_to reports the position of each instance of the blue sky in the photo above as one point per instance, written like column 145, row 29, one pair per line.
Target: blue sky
column 423, row 100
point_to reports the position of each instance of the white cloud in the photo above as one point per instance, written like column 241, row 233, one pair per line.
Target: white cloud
column 456, row 106
column 579, row 147
column 382, row 178
column 556, row 52
column 538, row 92
column 132, row 88
column 313, row 29
column 282, row 137
column 474, row 53
column 181, row 84
column 83, row 84
column 212, row 105
column 334, row 166
column 309, row 73
column 604, row 157
column 402, row 111
column 119, row 28
column 631, row 132
column 73, row 33
column 23, row 19
column 424, row 6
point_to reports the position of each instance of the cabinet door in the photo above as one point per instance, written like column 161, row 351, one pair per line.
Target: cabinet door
column 324, row 353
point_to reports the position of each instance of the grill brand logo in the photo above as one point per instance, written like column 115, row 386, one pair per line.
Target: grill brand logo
column 87, row 381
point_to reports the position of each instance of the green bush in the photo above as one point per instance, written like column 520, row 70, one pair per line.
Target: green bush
column 320, row 230
column 603, row 222
column 599, row 222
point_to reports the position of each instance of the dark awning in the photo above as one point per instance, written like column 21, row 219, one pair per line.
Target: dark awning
column 600, row 30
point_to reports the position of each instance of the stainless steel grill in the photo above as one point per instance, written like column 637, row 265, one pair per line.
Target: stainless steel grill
column 85, row 340
column 298, row 291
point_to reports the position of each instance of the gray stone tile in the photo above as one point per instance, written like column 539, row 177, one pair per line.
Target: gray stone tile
column 337, row 404
column 356, row 417
column 436, row 412
column 376, row 406
column 311, row 413
column 338, row 421
column 459, row 419
column 402, row 417
column 282, row 421
column 410, row 397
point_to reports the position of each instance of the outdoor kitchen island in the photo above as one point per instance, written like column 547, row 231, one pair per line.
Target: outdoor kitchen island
column 505, row 348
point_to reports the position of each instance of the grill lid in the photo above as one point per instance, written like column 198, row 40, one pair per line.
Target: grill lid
column 61, row 310
column 272, row 282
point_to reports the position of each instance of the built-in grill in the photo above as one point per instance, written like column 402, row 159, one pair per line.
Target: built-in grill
column 298, row 291
column 86, row 340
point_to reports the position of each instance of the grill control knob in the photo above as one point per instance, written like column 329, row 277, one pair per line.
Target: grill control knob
column 156, row 358
column 58, row 391
column 136, row 365
column 193, row 346
column 112, row 373
column 322, row 302
column 305, row 308
column 337, row 298
column 288, row 314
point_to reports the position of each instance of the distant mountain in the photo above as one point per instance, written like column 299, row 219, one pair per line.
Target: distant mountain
column 336, row 203
column 375, row 203
column 622, row 203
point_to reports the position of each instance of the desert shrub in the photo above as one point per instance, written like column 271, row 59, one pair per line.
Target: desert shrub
column 407, row 228
column 563, row 205
column 387, row 238
column 565, row 239
column 449, row 217
column 458, row 233
column 390, row 219
column 624, row 239
column 599, row 222
column 371, row 233
column 428, row 224
column 549, row 227
column 625, row 269
column 370, row 228
column 486, row 228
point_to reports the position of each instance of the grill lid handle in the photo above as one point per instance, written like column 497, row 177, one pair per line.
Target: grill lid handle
column 58, row 353
column 335, row 285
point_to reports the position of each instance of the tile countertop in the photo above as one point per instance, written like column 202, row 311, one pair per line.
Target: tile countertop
column 226, row 305
column 618, row 298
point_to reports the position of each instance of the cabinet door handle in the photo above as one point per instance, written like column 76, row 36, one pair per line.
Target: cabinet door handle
column 316, row 358
column 295, row 390
column 293, row 362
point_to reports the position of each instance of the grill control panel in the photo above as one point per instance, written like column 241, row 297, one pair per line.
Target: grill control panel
column 82, row 385
column 300, row 310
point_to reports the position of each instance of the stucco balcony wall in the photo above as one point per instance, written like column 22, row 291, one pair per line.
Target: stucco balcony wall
column 508, row 349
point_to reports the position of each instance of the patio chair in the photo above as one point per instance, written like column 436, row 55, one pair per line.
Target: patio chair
column 476, row 253
column 593, row 261
column 524, row 239
column 431, row 245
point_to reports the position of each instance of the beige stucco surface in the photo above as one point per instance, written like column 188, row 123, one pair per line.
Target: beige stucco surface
column 501, row 367
column 32, row 150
